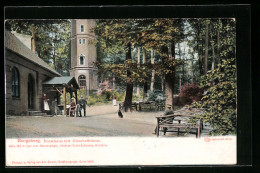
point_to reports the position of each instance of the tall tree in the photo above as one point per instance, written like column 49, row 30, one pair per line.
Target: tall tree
column 129, row 85
column 153, row 72
column 145, row 89
column 115, row 35
column 206, row 48
column 138, row 64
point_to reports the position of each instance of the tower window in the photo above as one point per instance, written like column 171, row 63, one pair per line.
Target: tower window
column 84, row 41
column 79, row 41
column 15, row 83
column 81, row 60
column 82, row 81
column 82, row 28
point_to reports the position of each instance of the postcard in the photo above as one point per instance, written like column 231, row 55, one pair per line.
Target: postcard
column 121, row 91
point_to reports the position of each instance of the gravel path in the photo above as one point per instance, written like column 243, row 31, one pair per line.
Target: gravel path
column 100, row 121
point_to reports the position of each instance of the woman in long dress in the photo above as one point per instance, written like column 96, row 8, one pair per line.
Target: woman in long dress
column 114, row 101
column 45, row 103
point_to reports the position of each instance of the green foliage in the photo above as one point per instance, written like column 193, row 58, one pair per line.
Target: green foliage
column 105, row 97
column 220, row 100
column 52, row 40
column 67, row 99
column 138, row 98
column 157, row 96
column 151, row 34
column 82, row 93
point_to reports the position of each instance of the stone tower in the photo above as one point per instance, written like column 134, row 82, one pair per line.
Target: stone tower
column 83, row 54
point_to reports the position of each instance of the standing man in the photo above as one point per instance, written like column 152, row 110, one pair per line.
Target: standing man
column 82, row 105
column 54, row 107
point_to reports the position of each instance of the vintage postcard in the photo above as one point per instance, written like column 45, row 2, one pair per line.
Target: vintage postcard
column 121, row 91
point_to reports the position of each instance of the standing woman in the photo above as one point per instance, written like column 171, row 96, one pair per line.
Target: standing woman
column 45, row 103
column 114, row 100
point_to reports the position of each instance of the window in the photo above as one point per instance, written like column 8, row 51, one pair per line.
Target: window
column 82, row 81
column 81, row 60
column 82, row 28
column 15, row 82
column 79, row 41
column 84, row 41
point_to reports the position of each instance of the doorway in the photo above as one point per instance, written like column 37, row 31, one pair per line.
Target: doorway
column 30, row 92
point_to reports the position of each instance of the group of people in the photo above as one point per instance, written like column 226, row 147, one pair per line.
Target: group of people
column 74, row 108
column 78, row 108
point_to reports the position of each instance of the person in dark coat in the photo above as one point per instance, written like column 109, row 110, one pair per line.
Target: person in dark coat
column 82, row 105
column 54, row 107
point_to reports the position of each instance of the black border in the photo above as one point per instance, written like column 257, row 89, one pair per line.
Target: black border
column 242, row 13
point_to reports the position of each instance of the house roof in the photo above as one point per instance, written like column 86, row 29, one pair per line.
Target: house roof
column 68, row 80
column 15, row 45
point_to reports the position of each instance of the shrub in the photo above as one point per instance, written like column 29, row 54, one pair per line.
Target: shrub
column 91, row 100
column 120, row 96
column 107, row 95
column 157, row 96
column 189, row 93
column 220, row 100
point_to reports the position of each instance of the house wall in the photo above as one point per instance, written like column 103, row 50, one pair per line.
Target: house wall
column 19, row 105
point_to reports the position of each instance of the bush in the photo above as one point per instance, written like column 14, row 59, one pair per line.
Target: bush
column 190, row 93
column 157, row 96
column 91, row 100
column 220, row 100
column 105, row 97
column 120, row 96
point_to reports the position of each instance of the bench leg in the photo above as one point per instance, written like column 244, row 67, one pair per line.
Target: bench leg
column 157, row 131
column 164, row 130
column 158, row 126
column 198, row 132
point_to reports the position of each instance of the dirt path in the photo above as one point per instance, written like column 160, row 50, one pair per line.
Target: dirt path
column 100, row 121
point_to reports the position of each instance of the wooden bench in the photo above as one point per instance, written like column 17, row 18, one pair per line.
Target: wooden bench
column 134, row 105
column 160, row 107
column 169, row 123
column 147, row 105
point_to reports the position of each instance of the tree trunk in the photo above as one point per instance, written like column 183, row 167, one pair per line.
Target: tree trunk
column 153, row 72
column 138, row 65
column 200, row 61
column 145, row 81
column 180, row 83
column 206, row 49
column 213, row 58
column 33, row 42
column 114, row 82
column 183, row 66
column 218, row 43
column 163, row 84
column 54, row 60
column 169, row 79
column 192, row 67
column 129, row 85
